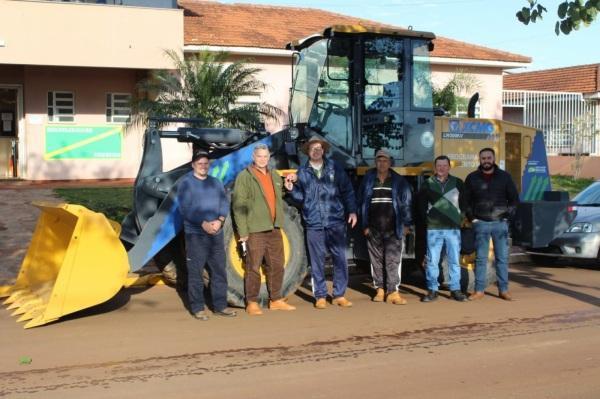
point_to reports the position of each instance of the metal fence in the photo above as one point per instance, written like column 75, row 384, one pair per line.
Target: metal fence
column 570, row 122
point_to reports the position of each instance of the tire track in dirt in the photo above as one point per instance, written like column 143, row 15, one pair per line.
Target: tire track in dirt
column 108, row 374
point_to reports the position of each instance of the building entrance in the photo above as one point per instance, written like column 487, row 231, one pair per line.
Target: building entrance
column 9, row 132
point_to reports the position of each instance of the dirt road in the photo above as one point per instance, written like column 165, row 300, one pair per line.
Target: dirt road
column 546, row 344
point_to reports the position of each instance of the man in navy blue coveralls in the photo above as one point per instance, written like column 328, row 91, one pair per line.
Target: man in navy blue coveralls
column 325, row 192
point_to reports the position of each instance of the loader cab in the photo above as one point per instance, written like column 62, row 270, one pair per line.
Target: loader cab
column 362, row 89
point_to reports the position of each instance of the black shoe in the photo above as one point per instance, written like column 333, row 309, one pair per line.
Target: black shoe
column 226, row 313
column 201, row 315
column 457, row 295
column 430, row 297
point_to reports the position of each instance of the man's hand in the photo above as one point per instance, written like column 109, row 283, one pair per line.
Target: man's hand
column 406, row 230
column 206, row 226
column 352, row 219
column 366, row 231
column 289, row 181
column 212, row 227
column 244, row 239
column 216, row 225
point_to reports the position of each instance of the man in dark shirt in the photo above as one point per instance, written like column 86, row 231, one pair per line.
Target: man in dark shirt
column 384, row 207
column 491, row 198
column 204, row 207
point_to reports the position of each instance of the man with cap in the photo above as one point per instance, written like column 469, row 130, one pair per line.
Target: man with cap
column 385, row 201
column 204, row 207
column 325, row 192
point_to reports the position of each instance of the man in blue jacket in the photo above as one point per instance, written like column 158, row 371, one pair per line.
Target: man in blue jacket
column 204, row 207
column 325, row 192
column 385, row 200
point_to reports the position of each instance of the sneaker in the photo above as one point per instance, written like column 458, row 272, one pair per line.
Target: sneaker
column 379, row 295
column 253, row 309
column 430, row 297
column 201, row 315
column 321, row 303
column 457, row 295
column 280, row 304
column 226, row 313
column 395, row 299
column 342, row 302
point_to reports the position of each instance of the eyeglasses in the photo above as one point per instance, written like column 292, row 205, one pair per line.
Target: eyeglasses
column 312, row 149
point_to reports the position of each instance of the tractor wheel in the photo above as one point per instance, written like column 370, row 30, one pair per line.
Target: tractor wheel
column 296, row 264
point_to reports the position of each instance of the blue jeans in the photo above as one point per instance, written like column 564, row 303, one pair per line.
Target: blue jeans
column 318, row 242
column 498, row 231
column 207, row 249
column 435, row 241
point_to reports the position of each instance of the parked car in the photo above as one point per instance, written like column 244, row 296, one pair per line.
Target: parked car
column 582, row 239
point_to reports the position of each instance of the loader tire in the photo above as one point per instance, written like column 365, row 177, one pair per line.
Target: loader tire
column 296, row 265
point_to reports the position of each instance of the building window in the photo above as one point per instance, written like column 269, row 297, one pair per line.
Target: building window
column 61, row 106
column 118, row 107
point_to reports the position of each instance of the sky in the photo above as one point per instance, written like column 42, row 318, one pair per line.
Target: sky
column 490, row 23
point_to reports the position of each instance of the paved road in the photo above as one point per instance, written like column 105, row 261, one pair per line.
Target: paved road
column 142, row 343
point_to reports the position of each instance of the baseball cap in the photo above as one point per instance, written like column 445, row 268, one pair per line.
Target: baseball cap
column 383, row 154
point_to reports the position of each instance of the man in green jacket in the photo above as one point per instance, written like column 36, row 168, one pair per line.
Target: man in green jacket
column 258, row 213
column 440, row 204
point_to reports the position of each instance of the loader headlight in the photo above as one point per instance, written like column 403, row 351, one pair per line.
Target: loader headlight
column 581, row 228
column 427, row 139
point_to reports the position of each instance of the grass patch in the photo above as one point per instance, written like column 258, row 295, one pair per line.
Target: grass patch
column 569, row 184
column 114, row 202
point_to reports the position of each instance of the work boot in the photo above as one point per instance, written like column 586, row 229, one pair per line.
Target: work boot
column 321, row 303
column 280, row 304
column 505, row 295
column 201, row 315
column 430, row 297
column 457, row 295
column 379, row 295
column 253, row 309
column 226, row 313
column 342, row 302
column 476, row 295
column 395, row 299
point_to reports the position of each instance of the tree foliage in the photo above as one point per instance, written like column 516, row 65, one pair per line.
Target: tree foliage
column 448, row 96
column 571, row 14
column 204, row 86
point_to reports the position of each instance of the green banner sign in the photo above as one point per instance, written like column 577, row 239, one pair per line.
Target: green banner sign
column 83, row 142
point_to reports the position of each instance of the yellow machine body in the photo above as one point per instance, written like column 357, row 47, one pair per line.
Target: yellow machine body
column 75, row 261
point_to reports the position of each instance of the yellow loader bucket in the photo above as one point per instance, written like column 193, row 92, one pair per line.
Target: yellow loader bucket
column 75, row 260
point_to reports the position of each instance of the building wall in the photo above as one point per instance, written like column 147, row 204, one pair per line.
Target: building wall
column 79, row 34
column 89, row 86
column 489, row 82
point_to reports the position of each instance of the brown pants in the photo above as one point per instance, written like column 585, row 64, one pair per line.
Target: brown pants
column 267, row 245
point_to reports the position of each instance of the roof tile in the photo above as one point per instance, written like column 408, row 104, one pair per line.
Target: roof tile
column 577, row 79
column 253, row 25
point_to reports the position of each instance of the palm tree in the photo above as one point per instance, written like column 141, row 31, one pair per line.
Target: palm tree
column 449, row 96
column 204, row 86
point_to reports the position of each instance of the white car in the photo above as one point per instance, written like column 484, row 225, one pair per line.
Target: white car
column 582, row 239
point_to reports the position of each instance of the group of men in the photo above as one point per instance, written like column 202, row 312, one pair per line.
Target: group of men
column 383, row 208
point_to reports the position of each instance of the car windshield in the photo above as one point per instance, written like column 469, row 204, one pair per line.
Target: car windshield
column 589, row 196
